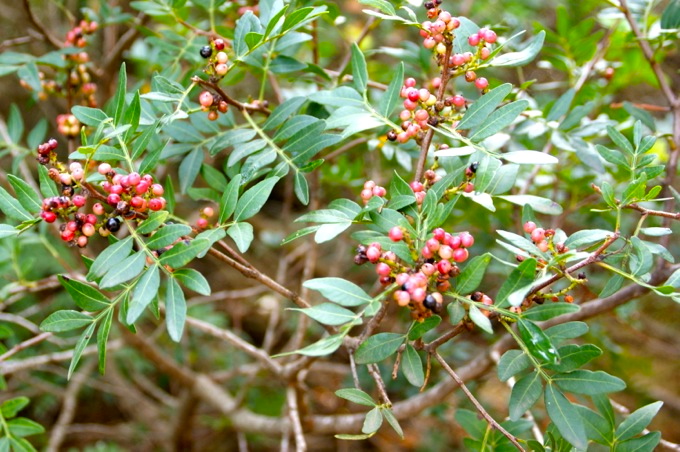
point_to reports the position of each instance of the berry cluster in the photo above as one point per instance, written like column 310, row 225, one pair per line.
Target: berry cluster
column 420, row 287
column 68, row 125
column 217, row 58
column 202, row 222
column 128, row 196
column 422, row 107
column 370, row 190
column 542, row 238
column 212, row 103
column 76, row 36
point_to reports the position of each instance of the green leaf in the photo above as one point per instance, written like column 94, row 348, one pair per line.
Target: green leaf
column 15, row 124
column 529, row 158
column 569, row 330
column 22, row 426
column 574, row 356
column 189, row 169
column 65, row 320
column 193, row 280
column 242, row 234
column 524, row 56
column 373, row 421
column 12, row 208
column 322, row 347
column 301, row 188
column 471, row 276
column 587, row 237
column 47, row 186
column 511, row 363
column 119, row 98
column 499, row 120
column 549, row 310
column 295, row 18
column 612, row 156
column 597, row 428
column 525, row 393
column 378, row 347
column 392, row 420
column 542, row 205
column 28, row 198
column 482, row 108
column 620, row 140
column 125, row 271
column 589, row 382
column 182, row 253
column 646, row 443
column 11, row 407
column 102, row 338
column 420, row 328
column 637, row 421
column 80, row 347
column 89, row 116
column 356, row 396
column 359, row 71
column 85, row 296
column 390, row 98
column 349, row 437
column 565, row 416
column 175, row 309
column 412, row 366
column 561, row 105
column 229, row 199
column 155, row 220
column 7, row 231
column 670, row 18
column 381, row 5
column 480, row 319
column 254, row 198
column 21, row 445
column 456, row 312
column 145, row 291
column 328, row 314
column 110, row 258
column 339, row 290
column 537, row 342
column 521, row 276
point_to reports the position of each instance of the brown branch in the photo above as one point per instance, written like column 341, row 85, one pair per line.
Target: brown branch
column 36, row 23
column 15, row 42
column 427, row 139
column 492, row 422
column 655, row 213
column 455, row 331
column 24, row 345
column 250, row 108
column 374, row 370
column 294, row 415
column 594, row 257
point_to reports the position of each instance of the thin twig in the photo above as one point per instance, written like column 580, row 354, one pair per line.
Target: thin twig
column 492, row 422
column 36, row 23
column 294, row 415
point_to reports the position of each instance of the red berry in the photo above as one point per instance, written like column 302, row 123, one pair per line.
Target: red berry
column 466, row 239
column 460, row 255
column 373, row 254
column 113, row 199
column 155, row 204
column 383, row 269
column 202, row 223
column 417, row 186
column 205, row 99
column 439, row 234
column 157, row 190
column 78, row 200
column 481, row 83
column 137, row 202
column 49, row 217
column 473, row 40
column 444, row 267
column 219, row 44
column 538, row 234
column 67, row 235
column 396, row 234
column 529, row 227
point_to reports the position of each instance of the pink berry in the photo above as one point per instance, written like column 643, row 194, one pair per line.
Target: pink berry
column 396, row 234
column 113, row 199
column 81, row 241
column 104, row 168
column 433, row 244
column 473, row 40
column 455, row 242
column 373, row 254
column 416, row 186
column 156, row 204
column 134, row 179
column 537, row 235
column 466, row 239
column 379, row 191
column 529, row 227
column 143, row 187
column 427, row 253
column 91, row 218
column 481, row 83
column 208, row 211
column 88, row 230
column 98, row 209
column 206, row 99
column 402, row 298
column 383, row 269
column 458, row 101
column 410, row 82
column 78, row 200
column 439, row 234
column 445, row 252
column 427, row 269
column 542, row 245
column 444, row 267
column 202, row 223
column 460, row 255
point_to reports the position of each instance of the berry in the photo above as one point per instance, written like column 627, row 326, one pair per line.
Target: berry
column 221, row 69
column 156, row 204
column 208, row 211
column 222, row 57
column 430, row 302
column 416, row 186
column 98, row 209
column 444, row 267
column 206, row 51
column 446, row 252
column 113, row 199
column 439, row 234
column 396, row 234
column 383, row 269
column 529, row 227
column 537, row 235
column 473, row 40
column 219, row 44
column 466, row 239
column 481, row 83
column 88, row 230
column 373, row 254
column 78, row 200
column 113, row 224
column 460, row 255
column 49, row 217
column 402, row 297
column 201, row 223
column 205, row 99
column 104, row 169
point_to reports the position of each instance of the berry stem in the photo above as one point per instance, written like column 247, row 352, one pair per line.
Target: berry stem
column 427, row 139
column 228, row 99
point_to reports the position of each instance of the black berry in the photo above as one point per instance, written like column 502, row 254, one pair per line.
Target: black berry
column 206, row 51
column 113, row 224
column 430, row 302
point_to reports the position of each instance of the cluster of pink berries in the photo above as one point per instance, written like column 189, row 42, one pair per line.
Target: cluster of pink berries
column 370, row 190
column 76, row 36
column 421, row 287
column 202, row 222
column 538, row 235
column 68, row 125
column 435, row 34
column 217, row 64
column 213, row 104
column 130, row 194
